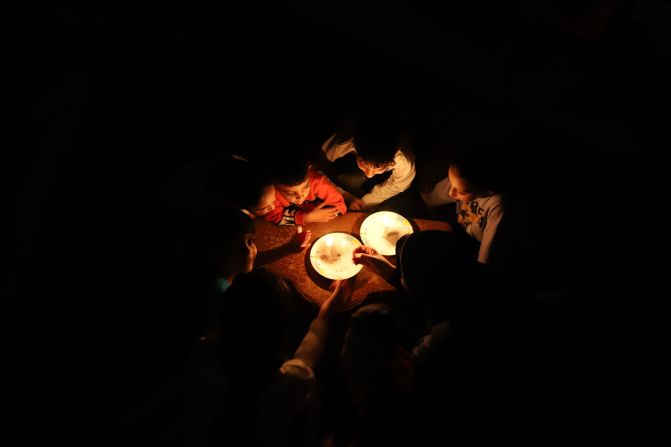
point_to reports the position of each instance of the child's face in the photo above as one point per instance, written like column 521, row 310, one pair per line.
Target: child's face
column 237, row 255
column 459, row 188
column 266, row 204
column 369, row 169
column 295, row 194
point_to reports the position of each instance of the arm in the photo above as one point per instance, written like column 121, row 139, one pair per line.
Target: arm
column 295, row 380
column 313, row 343
column 327, row 191
column 332, row 202
column 332, row 152
column 296, row 244
column 439, row 195
column 493, row 220
column 400, row 180
column 374, row 261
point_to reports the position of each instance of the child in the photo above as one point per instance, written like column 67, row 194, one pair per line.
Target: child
column 379, row 373
column 303, row 195
column 265, row 375
column 374, row 165
column 472, row 182
column 204, row 185
column 225, row 241
column 224, row 178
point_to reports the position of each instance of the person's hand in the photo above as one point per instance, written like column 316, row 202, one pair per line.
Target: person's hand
column 353, row 202
column 299, row 240
column 371, row 259
column 321, row 213
column 341, row 291
column 356, row 204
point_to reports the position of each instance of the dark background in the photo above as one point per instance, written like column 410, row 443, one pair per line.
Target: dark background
column 114, row 98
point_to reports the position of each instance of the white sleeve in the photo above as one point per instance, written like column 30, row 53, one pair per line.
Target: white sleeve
column 334, row 152
column 400, row 180
column 439, row 195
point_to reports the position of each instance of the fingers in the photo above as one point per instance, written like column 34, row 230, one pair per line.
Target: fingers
column 306, row 239
column 331, row 214
column 363, row 258
column 361, row 249
column 365, row 249
column 303, row 235
column 356, row 204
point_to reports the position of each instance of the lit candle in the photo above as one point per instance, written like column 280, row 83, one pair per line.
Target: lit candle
column 387, row 222
column 330, row 254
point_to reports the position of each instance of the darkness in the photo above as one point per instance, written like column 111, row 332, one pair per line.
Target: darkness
column 113, row 99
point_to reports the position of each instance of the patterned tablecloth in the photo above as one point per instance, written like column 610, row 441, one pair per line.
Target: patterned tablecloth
column 297, row 266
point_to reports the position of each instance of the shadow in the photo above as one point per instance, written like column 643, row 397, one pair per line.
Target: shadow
column 318, row 279
column 358, row 222
column 413, row 224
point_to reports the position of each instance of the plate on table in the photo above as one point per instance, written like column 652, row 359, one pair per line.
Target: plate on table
column 383, row 229
column 331, row 256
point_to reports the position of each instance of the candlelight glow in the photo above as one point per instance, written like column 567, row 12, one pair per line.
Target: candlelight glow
column 331, row 256
column 383, row 229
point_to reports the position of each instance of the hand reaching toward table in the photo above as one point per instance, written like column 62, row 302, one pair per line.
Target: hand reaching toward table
column 371, row 259
column 299, row 240
column 341, row 291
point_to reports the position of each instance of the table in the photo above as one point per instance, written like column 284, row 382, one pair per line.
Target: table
column 299, row 270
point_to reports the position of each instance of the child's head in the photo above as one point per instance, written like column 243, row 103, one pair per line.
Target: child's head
column 262, row 200
column 226, row 236
column 246, row 184
column 371, row 340
column 436, row 267
column 474, row 173
column 292, row 179
column 255, row 319
column 376, row 139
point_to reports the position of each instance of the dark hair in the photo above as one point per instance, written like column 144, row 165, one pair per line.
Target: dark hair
column 480, row 166
column 291, row 170
column 427, row 259
column 376, row 136
column 240, row 182
column 254, row 325
column 372, row 338
column 216, row 229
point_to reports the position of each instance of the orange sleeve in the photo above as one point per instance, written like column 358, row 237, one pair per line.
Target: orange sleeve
column 326, row 191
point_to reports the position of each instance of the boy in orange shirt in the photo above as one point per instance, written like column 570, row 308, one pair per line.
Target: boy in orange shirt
column 303, row 195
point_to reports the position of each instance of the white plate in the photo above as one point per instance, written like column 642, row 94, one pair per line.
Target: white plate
column 334, row 260
column 381, row 230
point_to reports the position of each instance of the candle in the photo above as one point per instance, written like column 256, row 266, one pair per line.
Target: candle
column 330, row 250
column 386, row 221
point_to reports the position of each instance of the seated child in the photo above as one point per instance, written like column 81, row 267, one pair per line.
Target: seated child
column 473, row 183
column 242, row 183
column 371, row 162
column 303, row 195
